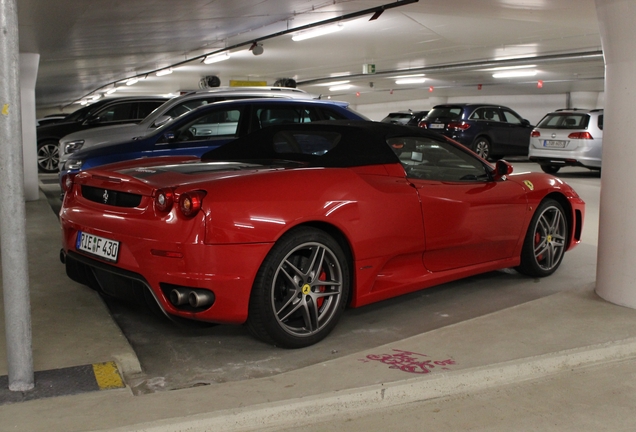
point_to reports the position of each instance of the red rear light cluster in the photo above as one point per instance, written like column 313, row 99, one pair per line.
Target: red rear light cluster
column 458, row 125
column 580, row 135
column 189, row 203
column 422, row 124
column 535, row 134
column 164, row 199
column 67, row 181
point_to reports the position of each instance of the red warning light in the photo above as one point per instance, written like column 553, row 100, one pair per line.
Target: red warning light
column 357, row 94
column 478, row 86
column 540, row 84
column 430, row 89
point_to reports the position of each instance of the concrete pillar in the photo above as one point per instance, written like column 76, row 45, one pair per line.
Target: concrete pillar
column 584, row 100
column 28, row 76
column 616, row 272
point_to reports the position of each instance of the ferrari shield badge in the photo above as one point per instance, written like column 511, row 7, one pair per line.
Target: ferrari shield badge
column 529, row 184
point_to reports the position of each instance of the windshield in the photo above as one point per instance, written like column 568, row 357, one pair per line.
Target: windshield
column 449, row 112
column 564, row 121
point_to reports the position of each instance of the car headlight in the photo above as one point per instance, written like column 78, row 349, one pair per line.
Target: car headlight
column 73, row 146
column 73, row 164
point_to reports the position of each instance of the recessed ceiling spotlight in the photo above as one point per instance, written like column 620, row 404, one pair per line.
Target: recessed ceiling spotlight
column 515, row 74
column 132, row 81
column 111, row 91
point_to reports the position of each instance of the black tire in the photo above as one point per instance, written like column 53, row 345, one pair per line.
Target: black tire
column 290, row 306
column 48, row 157
column 482, row 147
column 546, row 240
column 550, row 169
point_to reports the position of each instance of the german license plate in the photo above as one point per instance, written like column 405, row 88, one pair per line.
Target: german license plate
column 436, row 126
column 554, row 143
column 98, row 246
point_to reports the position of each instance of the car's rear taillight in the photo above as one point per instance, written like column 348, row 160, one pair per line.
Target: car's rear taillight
column 458, row 125
column 190, row 202
column 422, row 124
column 580, row 135
column 164, row 199
column 67, row 181
column 535, row 134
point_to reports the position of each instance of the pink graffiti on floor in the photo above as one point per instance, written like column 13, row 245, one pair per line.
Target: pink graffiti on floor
column 409, row 361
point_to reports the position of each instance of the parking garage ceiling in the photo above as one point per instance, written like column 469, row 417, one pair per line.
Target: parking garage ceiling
column 88, row 47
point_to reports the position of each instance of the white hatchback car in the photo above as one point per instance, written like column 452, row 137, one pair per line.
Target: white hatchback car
column 166, row 112
column 568, row 137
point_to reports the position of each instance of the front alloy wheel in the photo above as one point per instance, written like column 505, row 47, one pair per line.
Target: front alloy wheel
column 48, row 157
column 545, row 241
column 300, row 290
column 482, row 147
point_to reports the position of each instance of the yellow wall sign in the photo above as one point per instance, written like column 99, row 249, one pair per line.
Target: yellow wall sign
column 238, row 83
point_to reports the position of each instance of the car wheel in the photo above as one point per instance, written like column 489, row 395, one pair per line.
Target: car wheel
column 300, row 290
column 481, row 146
column 48, row 157
column 545, row 241
column 550, row 169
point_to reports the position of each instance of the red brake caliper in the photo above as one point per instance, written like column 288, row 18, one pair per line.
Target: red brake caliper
column 322, row 277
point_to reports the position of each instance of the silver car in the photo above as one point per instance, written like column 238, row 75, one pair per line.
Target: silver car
column 166, row 112
column 569, row 137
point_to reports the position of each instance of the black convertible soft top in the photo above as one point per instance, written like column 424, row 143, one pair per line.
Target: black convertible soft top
column 339, row 143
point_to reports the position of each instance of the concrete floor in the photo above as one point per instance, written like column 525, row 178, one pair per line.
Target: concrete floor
column 504, row 352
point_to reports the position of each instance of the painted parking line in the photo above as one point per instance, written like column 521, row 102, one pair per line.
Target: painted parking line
column 66, row 381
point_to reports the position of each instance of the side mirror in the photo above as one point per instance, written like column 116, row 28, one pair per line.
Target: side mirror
column 502, row 169
column 167, row 138
column 93, row 120
column 525, row 122
column 162, row 120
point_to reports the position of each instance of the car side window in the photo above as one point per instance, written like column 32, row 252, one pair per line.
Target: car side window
column 221, row 122
column 332, row 115
column 511, row 117
column 145, row 108
column 268, row 116
column 118, row 112
column 428, row 159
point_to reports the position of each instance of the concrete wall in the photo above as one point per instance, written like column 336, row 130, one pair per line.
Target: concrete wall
column 531, row 107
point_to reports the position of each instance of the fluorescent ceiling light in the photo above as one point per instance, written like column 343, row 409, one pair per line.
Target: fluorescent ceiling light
column 96, row 97
column 408, row 76
column 514, row 74
column 132, row 81
column 319, row 31
column 410, row 81
column 504, row 68
column 340, row 87
column 217, row 58
column 334, row 83
column 164, row 72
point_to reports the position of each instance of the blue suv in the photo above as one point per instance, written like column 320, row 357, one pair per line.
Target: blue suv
column 491, row 131
column 208, row 127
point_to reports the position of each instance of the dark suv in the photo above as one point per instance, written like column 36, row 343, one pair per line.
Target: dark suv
column 489, row 130
column 408, row 118
column 104, row 112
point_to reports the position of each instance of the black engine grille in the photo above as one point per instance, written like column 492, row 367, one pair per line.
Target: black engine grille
column 111, row 197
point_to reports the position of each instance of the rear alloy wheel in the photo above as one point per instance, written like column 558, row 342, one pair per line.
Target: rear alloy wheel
column 48, row 157
column 300, row 290
column 481, row 146
column 545, row 241
column 550, row 169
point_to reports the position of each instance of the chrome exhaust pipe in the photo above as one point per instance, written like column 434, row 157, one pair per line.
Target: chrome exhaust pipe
column 179, row 297
column 200, row 298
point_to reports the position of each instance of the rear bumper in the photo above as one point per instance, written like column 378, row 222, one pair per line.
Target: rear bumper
column 228, row 271
column 566, row 161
